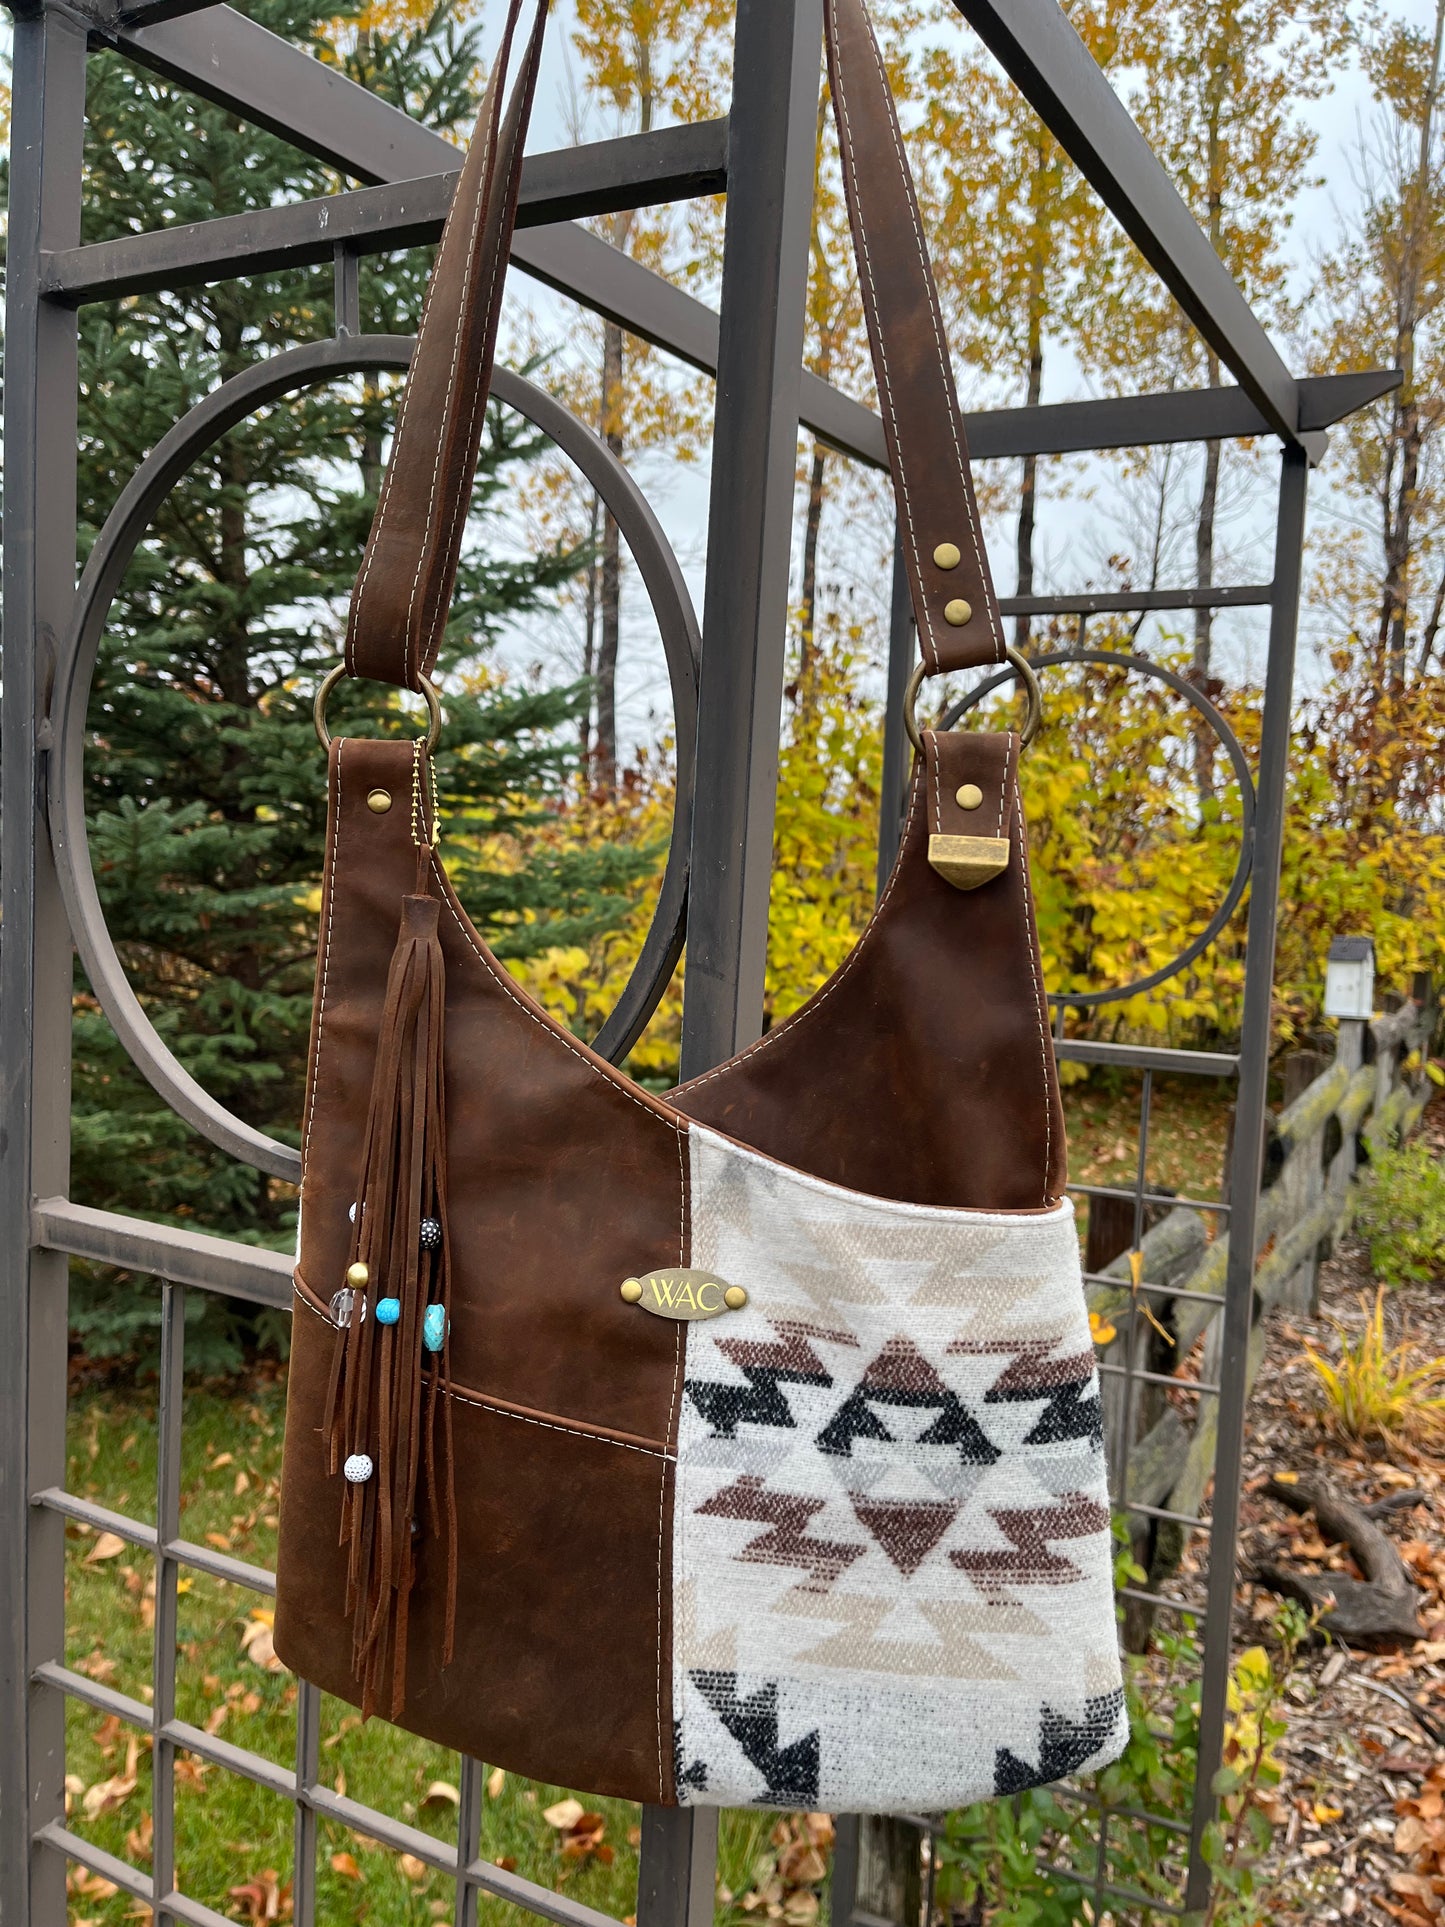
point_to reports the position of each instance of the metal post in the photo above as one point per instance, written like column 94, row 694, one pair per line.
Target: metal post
column 776, row 66
column 776, row 61
column 169, row 1403
column 1249, row 1128
column 39, row 581
column 902, row 654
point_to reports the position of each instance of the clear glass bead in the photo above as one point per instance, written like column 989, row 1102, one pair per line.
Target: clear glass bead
column 343, row 1306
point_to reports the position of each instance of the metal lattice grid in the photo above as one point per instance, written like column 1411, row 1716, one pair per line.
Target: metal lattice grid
column 762, row 155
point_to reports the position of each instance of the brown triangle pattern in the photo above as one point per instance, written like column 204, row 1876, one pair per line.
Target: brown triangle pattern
column 1028, row 1560
column 900, row 1368
column 787, row 1542
column 907, row 1530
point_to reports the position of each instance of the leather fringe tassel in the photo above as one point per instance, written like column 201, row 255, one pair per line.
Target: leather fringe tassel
column 387, row 1400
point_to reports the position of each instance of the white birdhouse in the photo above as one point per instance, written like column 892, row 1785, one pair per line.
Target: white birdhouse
column 1350, row 978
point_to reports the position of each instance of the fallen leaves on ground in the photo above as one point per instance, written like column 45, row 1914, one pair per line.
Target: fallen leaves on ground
column 257, row 1641
column 108, row 1546
column 441, row 1793
column 787, row 1880
column 345, row 1865
column 264, row 1897
column 105, row 1795
column 581, row 1832
column 91, row 1886
column 1420, row 1842
column 96, row 1666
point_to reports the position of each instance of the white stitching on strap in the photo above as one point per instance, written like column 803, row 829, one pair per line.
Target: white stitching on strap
column 476, row 228
column 865, row 264
column 315, row 1078
column 935, row 322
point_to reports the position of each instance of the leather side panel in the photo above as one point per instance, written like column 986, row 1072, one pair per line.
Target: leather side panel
column 923, row 1069
column 561, row 1669
column 563, row 1180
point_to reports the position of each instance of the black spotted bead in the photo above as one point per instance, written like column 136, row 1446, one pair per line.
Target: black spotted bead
column 431, row 1233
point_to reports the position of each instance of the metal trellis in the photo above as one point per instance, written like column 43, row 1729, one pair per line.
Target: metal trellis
column 762, row 156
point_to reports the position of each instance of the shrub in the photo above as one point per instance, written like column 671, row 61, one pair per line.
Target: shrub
column 1376, row 1390
column 1401, row 1214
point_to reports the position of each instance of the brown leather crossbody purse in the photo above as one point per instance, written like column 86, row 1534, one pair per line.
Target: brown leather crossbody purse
column 741, row 1446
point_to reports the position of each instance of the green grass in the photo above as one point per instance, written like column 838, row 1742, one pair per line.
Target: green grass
column 229, row 1832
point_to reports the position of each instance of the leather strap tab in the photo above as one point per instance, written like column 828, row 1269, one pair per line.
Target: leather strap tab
column 403, row 595
column 936, row 508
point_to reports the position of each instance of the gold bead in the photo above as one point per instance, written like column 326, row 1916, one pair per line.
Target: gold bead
column 379, row 801
column 735, row 1297
column 957, row 612
column 968, row 796
column 947, row 555
column 357, row 1276
column 631, row 1290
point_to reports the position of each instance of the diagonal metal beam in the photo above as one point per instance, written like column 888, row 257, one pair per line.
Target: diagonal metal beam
column 229, row 59
column 641, row 170
column 1041, row 51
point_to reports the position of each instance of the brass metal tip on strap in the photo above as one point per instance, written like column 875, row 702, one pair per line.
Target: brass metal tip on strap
column 1023, row 670
column 428, row 691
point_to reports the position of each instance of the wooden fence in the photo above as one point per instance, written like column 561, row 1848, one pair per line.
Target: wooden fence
column 1339, row 1110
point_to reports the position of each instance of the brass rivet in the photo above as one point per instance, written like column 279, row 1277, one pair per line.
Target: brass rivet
column 358, row 1276
column 735, row 1297
column 631, row 1290
column 957, row 612
column 968, row 796
column 947, row 555
column 379, row 800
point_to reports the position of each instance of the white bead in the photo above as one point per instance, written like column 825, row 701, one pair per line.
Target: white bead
column 358, row 1468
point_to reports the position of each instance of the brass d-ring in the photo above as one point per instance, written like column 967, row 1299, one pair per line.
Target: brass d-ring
column 428, row 690
column 1022, row 668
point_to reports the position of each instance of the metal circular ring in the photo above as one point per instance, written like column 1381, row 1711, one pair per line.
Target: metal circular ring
column 1019, row 665
column 333, row 676
column 284, row 374
column 1233, row 749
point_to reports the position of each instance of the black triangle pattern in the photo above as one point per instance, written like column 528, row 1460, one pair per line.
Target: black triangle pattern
column 759, row 1402
column 1064, row 1745
column 856, row 1419
column 791, row 1772
column 1073, row 1412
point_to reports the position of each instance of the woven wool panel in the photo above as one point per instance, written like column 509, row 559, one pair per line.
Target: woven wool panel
column 892, row 1561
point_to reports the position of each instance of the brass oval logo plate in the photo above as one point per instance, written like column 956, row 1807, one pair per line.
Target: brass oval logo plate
column 681, row 1293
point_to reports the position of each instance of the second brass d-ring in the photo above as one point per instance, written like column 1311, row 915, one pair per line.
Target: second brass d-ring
column 428, row 690
column 1023, row 670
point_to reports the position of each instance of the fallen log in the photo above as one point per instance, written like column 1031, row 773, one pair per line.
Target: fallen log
column 1378, row 1612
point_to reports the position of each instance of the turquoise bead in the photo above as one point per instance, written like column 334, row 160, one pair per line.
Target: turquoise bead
column 434, row 1327
column 388, row 1310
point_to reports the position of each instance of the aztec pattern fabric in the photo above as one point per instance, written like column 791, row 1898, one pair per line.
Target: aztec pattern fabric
column 891, row 1547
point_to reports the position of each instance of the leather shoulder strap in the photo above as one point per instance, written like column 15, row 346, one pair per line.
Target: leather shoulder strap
column 937, row 512
column 403, row 594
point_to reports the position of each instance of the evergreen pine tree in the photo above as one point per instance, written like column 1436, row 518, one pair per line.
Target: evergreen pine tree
column 206, row 789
